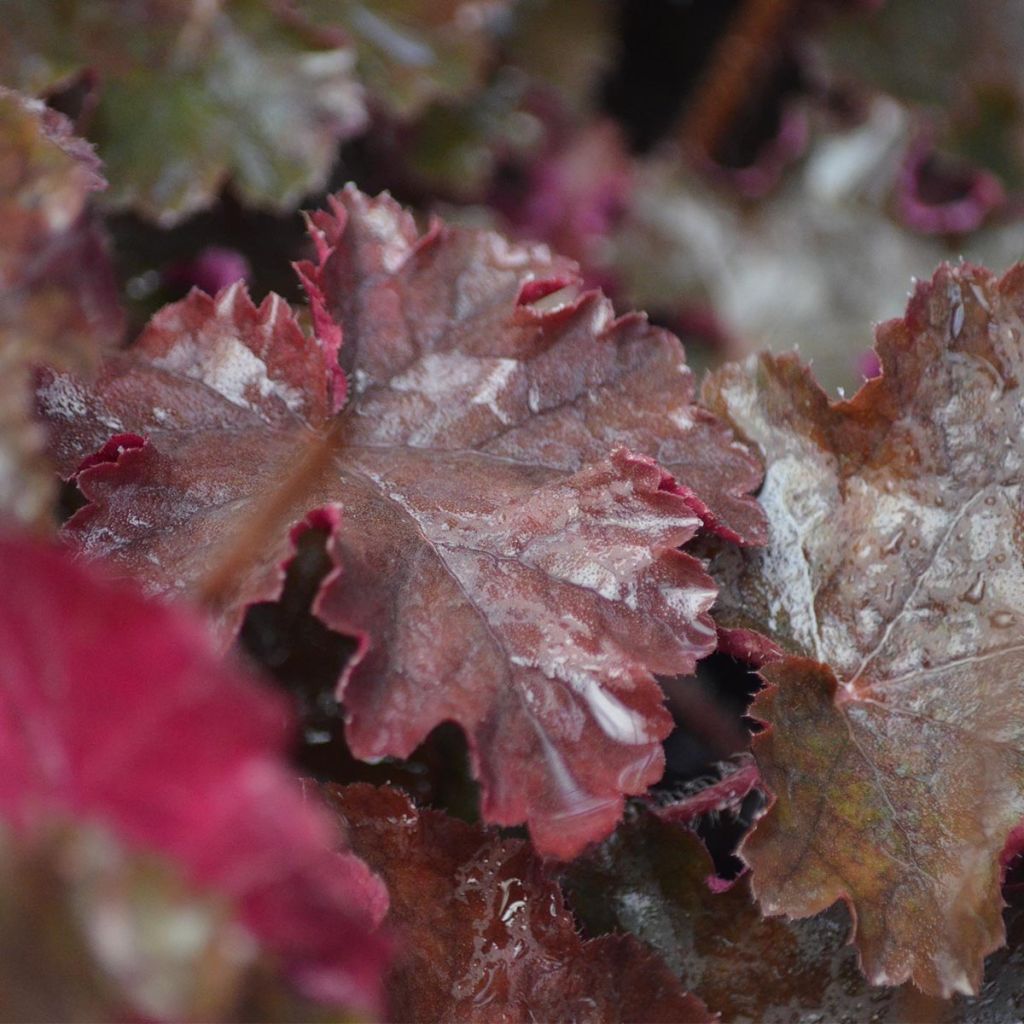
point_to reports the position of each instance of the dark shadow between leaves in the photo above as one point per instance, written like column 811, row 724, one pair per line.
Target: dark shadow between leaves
column 306, row 659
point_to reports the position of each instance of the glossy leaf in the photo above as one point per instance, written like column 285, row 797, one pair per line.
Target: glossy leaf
column 57, row 298
column 500, row 569
column 116, row 711
column 892, row 580
column 194, row 94
column 484, row 932
column 569, row 380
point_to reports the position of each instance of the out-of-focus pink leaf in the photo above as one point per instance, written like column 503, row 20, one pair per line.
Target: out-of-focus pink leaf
column 115, row 710
column 212, row 270
column 936, row 195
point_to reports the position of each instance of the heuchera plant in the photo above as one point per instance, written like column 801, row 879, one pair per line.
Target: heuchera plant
column 498, row 524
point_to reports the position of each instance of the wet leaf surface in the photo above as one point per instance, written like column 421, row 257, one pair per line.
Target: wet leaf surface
column 892, row 581
column 499, row 570
column 305, row 658
column 483, row 930
column 553, row 375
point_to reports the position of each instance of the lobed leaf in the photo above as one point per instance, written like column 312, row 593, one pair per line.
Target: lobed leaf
column 892, row 580
column 547, row 372
column 499, row 568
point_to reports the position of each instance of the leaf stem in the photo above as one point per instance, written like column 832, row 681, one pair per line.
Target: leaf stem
column 217, row 584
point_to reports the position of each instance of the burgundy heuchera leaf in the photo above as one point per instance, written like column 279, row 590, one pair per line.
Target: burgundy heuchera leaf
column 892, row 579
column 547, row 372
column 115, row 709
column 485, row 934
column 507, row 543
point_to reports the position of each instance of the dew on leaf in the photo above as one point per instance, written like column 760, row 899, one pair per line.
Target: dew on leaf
column 892, row 546
column 976, row 592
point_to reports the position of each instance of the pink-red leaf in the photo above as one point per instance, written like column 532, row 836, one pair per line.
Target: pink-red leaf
column 116, row 710
column 463, row 340
column 484, row 932
column 507, row 564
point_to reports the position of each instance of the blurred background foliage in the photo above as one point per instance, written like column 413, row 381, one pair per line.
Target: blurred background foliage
column 753, row 173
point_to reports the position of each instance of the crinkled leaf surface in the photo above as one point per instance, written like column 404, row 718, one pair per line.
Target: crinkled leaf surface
column 409, row 52
column 485, row 934
column 547, row 373
column 193, row 94
column 116, row 710
column 893, row 578
column 501, row 570
column 651, row 879
column 57, row 295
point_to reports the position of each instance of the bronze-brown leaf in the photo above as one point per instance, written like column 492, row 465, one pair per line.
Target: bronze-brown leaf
column 894, row 580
